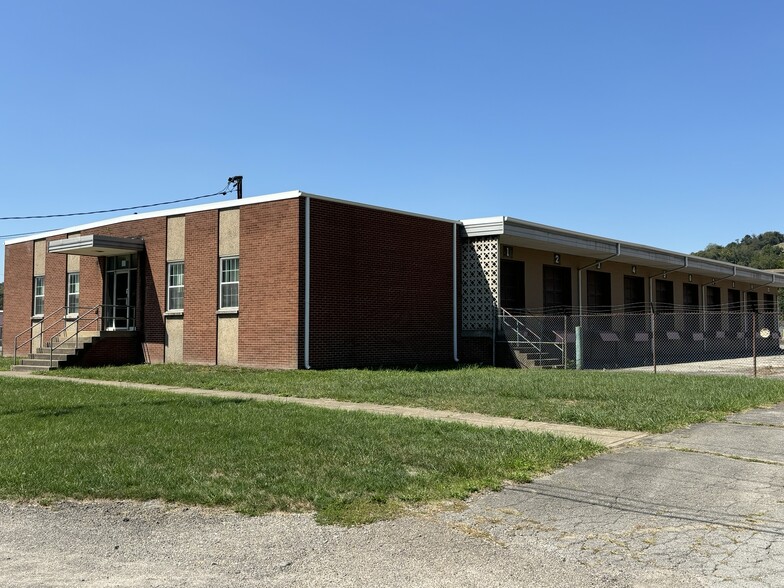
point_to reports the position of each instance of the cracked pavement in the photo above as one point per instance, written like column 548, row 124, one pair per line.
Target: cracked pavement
column 705, row 502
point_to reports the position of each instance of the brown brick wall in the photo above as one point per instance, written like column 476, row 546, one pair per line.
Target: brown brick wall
column 18, row 297
column 151, row 280
column 200, row 323
column 270, row 284
column 381, row 288
column 120, row 349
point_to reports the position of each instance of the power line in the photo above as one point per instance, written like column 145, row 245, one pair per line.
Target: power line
column 18, row 234
column 222, row 192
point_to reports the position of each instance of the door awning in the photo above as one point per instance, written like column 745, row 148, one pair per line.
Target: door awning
column 97, row 245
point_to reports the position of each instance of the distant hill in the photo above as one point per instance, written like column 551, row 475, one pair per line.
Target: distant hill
column 765, row 251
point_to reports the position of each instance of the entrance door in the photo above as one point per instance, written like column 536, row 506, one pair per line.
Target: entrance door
column 121, row 300
column 512, row 285
column 121, row 295
column 557, row 285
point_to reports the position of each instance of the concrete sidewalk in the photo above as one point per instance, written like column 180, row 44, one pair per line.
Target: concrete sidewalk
column 606, row 437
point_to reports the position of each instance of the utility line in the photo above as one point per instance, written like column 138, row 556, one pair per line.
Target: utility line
column 222, row 192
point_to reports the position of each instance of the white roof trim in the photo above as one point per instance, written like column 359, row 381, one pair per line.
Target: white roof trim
column 210, row 206
column 552, row 237
column 159, row 213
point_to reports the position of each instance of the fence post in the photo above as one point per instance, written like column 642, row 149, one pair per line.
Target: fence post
column 578, row 347
column 653, row 340
column 754, row 341
column 564, row 354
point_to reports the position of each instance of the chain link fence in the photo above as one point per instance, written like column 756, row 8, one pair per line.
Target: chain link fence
column 735, row 343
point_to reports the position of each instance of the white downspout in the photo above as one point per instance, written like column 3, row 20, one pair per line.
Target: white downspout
column 306, row 342
column 454, row 292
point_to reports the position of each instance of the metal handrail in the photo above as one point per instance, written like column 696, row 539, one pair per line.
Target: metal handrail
column 524, row 334
column 131, row 318
column 52, row 347
column 504, row 315
column 42, row 322
column 69, row 319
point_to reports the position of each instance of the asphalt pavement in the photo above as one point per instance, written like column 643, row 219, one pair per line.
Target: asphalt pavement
column 702, row 506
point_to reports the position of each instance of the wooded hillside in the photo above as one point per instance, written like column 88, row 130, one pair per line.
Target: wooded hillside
column 765, row 251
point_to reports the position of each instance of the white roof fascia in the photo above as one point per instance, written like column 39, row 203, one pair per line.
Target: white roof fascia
column 549, row 236
column 483, row 227
column 210, row 206
column 159, row 213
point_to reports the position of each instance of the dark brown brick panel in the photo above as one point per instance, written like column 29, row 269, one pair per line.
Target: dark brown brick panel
column 381, row 287
column 270, row 284
column 113, row 349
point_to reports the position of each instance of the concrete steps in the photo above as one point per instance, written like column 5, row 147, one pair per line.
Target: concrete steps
column 64, row 353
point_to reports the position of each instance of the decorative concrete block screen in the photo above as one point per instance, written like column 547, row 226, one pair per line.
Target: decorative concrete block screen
column 480, row 283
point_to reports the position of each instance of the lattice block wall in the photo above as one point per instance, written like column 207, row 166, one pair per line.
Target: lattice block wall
column 480, row 282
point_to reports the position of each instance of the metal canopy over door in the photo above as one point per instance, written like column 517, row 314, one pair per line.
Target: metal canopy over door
column 120, row 308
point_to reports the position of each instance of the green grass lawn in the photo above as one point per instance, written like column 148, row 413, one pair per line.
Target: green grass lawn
column 62, row 439
column 5, row 363
column 628, row 401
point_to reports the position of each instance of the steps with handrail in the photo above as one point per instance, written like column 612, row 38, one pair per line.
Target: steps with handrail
column 65, row 345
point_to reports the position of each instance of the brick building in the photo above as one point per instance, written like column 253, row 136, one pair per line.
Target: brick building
column 295, row 280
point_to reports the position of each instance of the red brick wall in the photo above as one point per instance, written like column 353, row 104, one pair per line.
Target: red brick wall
column 270, row 284
column 475, row 350
column 18, row 297
column 381, row 288
column 151, row 280
column 200, row 324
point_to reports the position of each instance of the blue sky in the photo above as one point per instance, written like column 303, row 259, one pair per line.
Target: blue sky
column 655, row 122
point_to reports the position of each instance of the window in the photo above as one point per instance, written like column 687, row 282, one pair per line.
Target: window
column 175, row 286
column 769, row 303
column 691, row 297
column 664, row 296
column 72, row 294
column 599, row 292
column 512, row 284
column 633, row 294
column 557, row 285
column 713, row 297
column 691, row 308
column 230, row 282
column 752, row 302
column 733, row 300
column 38, row 295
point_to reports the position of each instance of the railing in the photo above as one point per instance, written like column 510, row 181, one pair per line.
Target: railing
column 107, row 317
column 543, row 336
column 52, row 346
column 710, row 341
column 118, row 317
column 32, row 328
column 509, row 322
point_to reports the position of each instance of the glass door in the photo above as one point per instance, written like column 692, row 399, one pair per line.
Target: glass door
column 121, row 310
column 120, row 300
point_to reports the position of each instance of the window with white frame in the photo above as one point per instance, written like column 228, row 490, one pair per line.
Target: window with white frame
column 175, row 289
column 229, row 282
column 38, row 295
column 72, row 294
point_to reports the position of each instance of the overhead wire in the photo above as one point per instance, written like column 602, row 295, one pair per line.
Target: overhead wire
column 222, row 192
